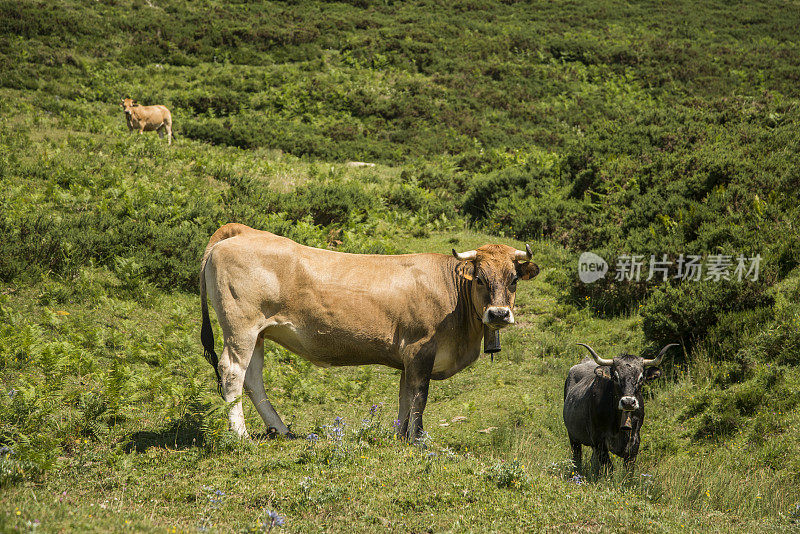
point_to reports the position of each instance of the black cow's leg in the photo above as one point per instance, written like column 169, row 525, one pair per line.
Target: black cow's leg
column 403, row 411
column 417, row 377
column 605, row 460
column 596, row 462
column 630, row 464
column 577, row 454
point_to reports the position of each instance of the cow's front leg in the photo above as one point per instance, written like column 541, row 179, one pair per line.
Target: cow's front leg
column 403, row 411
column 417, row 378
column 630, row 465
column 601, row 463
column 606, row 466
column 577, row 454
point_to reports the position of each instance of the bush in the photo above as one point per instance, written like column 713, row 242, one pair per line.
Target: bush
column 510, row 474
column 717, row 413
column 219, row 103
column 685, row 313
column 331, row 202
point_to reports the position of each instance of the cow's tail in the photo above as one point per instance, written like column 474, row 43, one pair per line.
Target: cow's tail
column 206, row 332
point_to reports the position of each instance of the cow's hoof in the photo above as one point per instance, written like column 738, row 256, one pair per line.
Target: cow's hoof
column 273, row 433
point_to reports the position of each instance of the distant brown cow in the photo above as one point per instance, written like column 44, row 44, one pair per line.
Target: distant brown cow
column 148, row 118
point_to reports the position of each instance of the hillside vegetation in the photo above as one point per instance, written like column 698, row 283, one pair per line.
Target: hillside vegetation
column 648, row 128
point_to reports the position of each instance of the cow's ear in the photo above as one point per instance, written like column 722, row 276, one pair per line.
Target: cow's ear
column 651, row 373
column 467, row 270
column 527, row 270
column 602, row 371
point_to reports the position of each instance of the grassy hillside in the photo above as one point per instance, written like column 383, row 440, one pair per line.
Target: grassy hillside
column 613, row 127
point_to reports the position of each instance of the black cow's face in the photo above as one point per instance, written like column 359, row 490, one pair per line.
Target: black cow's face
column 628, row 374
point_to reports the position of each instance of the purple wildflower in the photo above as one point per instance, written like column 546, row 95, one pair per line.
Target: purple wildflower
column 273, row 519
column 577, row 479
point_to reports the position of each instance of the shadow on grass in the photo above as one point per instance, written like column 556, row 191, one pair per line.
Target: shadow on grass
column 181, row 434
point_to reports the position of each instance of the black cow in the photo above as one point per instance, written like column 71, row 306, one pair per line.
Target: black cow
column 603, row 406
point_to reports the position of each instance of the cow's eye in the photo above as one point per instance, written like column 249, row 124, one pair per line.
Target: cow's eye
column 479, row 280
column 513, row 285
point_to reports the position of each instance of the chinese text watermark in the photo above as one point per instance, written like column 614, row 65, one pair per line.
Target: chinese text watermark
column 691, row 267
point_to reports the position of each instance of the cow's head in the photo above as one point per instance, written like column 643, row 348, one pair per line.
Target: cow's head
column 494, row 271
column 127, row 104
column 628, row 373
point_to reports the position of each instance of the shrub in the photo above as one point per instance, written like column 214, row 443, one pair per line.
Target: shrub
column 714, row 413
column 220, row 103
column 331, row 202
column 510, row 474
column 685, row 313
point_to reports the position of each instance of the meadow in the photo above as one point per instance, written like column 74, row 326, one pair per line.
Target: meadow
column 620, row 128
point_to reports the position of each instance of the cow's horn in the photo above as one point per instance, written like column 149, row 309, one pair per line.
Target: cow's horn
column 465, row 256
column 598, row 360
column 657, row 360
column 524, row 255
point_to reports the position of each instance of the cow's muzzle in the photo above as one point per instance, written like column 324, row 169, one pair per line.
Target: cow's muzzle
column 628, row 404
column 498, row 316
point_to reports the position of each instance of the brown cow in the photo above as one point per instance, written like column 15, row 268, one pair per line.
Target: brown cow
column 423, row 314
column 148, row 118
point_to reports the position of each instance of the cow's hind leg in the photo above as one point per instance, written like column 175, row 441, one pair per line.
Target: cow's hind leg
column 254, row 386
column 233, row 364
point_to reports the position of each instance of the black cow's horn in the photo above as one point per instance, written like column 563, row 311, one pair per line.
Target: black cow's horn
column 524, row 255
column 657, row 360
column 598, row 360
column 465, row 256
